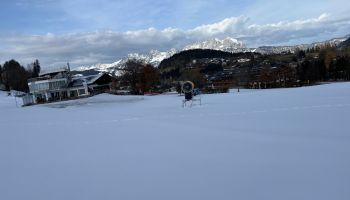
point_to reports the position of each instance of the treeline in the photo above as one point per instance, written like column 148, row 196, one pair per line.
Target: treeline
column 327, row 65
column 303, row 68
column 182, row 58
column 212, row 68
column 174, row 66
column 13, row 76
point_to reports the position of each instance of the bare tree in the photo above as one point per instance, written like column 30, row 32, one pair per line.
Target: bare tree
column 140, row 76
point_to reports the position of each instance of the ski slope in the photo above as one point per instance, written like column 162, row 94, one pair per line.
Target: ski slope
column 278, row 144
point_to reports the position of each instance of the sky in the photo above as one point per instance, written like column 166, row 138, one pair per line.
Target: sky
column 86, row 32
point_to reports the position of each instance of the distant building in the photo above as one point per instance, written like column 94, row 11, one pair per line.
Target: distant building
column 58, row 84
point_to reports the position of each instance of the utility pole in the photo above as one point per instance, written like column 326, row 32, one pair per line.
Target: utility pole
column 238, row 85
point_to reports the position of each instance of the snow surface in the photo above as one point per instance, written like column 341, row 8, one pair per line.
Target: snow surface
column 253, row 145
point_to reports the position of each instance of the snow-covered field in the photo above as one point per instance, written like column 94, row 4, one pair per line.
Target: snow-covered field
column 280, row 144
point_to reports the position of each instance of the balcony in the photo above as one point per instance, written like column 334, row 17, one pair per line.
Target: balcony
column 48, row 85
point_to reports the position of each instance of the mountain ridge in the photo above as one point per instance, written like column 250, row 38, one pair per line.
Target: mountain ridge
column 227, row 44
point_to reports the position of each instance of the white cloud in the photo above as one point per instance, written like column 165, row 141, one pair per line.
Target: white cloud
column 229, row 26
column 107, row 46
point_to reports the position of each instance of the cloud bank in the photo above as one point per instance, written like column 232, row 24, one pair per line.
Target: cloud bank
column 88, row 48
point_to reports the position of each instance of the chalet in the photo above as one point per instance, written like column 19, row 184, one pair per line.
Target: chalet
column 59, row 84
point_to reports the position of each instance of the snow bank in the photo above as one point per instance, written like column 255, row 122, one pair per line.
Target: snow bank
column 257, row 144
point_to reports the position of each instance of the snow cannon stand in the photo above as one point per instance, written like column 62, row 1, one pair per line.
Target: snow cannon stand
column 187, row 89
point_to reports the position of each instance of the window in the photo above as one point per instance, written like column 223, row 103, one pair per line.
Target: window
column 73, row 93
column 82, row 91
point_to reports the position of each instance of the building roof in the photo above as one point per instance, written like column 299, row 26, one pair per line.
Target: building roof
column 91, row 79
column 78, row 81
column 53, row 70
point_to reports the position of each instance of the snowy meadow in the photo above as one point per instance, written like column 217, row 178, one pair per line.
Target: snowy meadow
column 257, row 144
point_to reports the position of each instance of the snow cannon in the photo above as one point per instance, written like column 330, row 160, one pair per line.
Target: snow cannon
column 187, row 88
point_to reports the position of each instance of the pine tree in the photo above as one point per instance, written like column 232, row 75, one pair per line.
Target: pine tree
column 14, row 76
column 36, row 68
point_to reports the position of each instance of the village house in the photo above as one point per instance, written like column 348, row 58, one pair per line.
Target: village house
column 59, row 84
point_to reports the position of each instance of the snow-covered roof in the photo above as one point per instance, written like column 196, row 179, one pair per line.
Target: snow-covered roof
column 53, row 70
column 91, row 79
column 77, row 81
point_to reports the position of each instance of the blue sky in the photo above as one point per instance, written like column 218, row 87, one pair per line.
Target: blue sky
column 100, row 31
column 62, row 16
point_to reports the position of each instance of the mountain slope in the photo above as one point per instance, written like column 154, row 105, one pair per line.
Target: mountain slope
column 155, row 57
column 228, row 44
column 345, row 44
column 280, row 49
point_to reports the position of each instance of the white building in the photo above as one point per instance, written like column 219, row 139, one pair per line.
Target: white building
column 58, row 84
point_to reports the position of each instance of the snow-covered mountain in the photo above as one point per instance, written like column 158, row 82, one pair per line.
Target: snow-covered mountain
column 101, row 67
column 227, row 44
column 154, row 57
column 280, row 49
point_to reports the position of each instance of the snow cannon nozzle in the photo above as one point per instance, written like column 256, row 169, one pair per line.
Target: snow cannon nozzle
column 187, row 87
